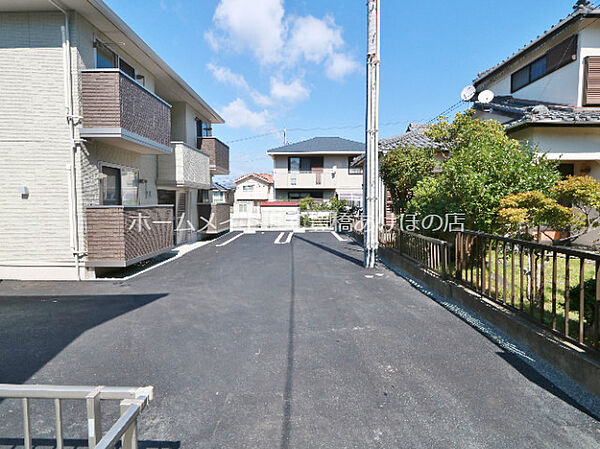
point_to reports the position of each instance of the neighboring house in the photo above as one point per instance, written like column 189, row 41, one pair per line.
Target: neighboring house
column 251, row 190
column 548, row 92
column 215, row 210
column 320, row 168
column 104, row 147
column 222, row 193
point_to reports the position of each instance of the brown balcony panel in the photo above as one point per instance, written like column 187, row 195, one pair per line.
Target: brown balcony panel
column 121, row 112
column 218, row 153
column 214, row 218
column 118, row 236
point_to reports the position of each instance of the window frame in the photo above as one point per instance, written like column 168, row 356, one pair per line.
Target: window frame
column 103, row 164
column 547, row 70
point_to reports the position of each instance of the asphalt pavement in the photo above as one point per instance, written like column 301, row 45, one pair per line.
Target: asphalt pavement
column 251, row 343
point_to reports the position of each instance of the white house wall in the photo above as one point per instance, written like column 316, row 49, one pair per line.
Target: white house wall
column 568, row 143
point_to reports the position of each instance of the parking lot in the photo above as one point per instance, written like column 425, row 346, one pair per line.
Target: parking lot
column 281, row 340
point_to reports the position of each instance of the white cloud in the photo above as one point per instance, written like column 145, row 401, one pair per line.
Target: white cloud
column 225, row 75
column 255, row 25
column 290, row 92
column 313, row 38
column 339, row 65
column 238, row 115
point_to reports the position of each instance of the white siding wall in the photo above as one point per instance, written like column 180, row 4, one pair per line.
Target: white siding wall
column 260, row 191
column 34, row 139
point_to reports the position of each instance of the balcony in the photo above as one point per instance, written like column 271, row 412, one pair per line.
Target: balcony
column 214, row 218
column 218, row 153
column 120, row 112
column 119, row 236
column 184, row 167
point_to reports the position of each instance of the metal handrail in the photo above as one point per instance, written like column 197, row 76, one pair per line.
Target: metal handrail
column 133, row 400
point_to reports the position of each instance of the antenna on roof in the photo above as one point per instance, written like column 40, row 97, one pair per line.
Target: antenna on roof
column 582, row 4
column 468, row 93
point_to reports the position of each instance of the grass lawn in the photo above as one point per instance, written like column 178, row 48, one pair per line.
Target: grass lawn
column 513, row 285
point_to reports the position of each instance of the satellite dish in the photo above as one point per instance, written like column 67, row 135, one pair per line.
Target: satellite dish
column 486, row 96
column 468, row 93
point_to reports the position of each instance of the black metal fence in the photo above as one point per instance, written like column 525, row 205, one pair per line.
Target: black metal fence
column 557, row 287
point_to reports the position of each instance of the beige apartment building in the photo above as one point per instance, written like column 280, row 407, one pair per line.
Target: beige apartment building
column 320, row 168
column 106, row 152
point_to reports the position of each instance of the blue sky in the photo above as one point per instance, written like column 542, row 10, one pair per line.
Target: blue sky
column 266, row 65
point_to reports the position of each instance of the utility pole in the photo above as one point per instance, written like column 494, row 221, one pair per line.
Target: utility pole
column 371, row 179
column 284, row 136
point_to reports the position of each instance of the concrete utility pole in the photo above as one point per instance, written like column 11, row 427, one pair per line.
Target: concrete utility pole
column 371, row 179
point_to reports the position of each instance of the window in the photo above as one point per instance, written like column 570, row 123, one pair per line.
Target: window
column 105, row 57
column 218, row 197
column 358, row 170
column 126, row 68
column 203, row 129
column 555, row 58
column 566, row 170
column 243, row 206
column 305, row 164
column 248, row 188
column 111, row 186
column 119, row 186
column 203, row 196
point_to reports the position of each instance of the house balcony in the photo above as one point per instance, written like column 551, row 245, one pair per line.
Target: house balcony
column 218, row 153
column 304, row 180
column 121, row 112
column 119, row 236
column 184, row 167
column 214, row 218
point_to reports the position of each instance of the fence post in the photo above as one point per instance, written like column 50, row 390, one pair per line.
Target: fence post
column 94, row 417
column 444, row 259
column 129, row 438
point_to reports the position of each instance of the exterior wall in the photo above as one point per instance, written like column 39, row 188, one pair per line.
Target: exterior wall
column 280, row 217
column 34, row 141
column 339, row 178
column 218, row 153
column 569, row 143
column 589, row 45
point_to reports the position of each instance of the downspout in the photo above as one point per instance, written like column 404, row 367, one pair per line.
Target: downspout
column 68, row 84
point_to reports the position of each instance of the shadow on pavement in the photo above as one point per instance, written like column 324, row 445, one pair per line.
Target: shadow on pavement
column 34, row 329
column 335, row 252
column 533, row 376
column 48, row 443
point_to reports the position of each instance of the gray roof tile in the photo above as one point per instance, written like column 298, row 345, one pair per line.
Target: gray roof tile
column 321, row 144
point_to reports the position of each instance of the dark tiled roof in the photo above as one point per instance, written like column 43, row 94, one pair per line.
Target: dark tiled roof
column 582, row 9
column 524, row 112
column 221, row 186
column 414, row 135
column 322, row 145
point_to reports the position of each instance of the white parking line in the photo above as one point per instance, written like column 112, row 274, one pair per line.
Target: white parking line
column 286, row 241
column 339, row 237
column 230, row 240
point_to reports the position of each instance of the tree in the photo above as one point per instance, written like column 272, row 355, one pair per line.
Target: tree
column 582, row 194
column 401, row 169
column 520, row 212
column 484, row 166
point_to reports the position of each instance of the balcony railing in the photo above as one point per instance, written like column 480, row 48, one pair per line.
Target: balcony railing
column 123, row 113
column 185, row 167
column 132, row 402
column 119, row 236
column 218, row 153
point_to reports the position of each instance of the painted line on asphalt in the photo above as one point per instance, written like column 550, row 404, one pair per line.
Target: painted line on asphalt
column 286, row 241
column 339, row 237
column 227, row 242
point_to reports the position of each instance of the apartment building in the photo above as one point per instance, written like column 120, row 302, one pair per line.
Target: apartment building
column 105, row 149
column 320, row 167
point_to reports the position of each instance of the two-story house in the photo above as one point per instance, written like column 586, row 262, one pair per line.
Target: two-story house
column 548, row 92
column 103, row 146
column 320, row 168
column 251, row 190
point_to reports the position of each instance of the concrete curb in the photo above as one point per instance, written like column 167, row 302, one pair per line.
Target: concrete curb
column 571, row 360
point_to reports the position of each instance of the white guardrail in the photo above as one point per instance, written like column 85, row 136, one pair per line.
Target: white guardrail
column 133, row 401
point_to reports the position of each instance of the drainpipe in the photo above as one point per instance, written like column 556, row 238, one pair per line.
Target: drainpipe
column 68, row 84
